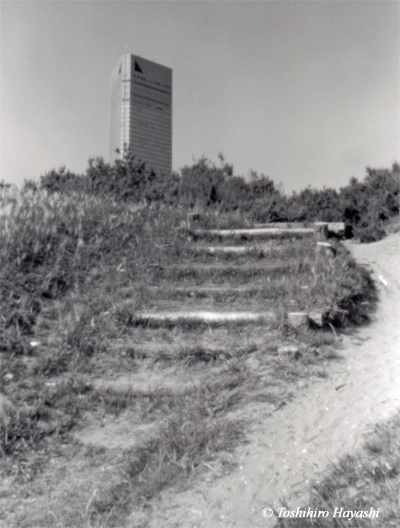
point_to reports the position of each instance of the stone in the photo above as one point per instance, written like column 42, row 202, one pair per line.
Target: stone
column 317, row 318
column 252, row 364
column 288, row 349
column 352, row 492
column 336, row 228
column 297, row 319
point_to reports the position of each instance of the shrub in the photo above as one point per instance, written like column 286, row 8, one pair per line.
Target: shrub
column 368, row 205
column 364, row 206
column 61, row 180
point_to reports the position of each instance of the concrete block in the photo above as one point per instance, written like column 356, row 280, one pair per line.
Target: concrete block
column 317, row 318
column 336, row 228
column 297, row 319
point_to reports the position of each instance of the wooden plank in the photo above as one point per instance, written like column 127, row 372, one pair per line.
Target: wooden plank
column 205, row 290
column 233, row 268
column 235, row 250
column 226, row 233
column 333, row 227
column 280, row 225
column 203, row 317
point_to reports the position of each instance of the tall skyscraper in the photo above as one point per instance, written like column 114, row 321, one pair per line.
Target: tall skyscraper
column 141, row 112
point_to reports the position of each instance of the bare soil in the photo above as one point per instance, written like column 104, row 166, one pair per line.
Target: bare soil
column 289, row 447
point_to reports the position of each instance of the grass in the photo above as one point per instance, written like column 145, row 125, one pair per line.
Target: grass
column 371, row 477
column 186, row 441
column 74, row 272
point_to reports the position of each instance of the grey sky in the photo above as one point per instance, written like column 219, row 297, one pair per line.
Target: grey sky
column 306, row 92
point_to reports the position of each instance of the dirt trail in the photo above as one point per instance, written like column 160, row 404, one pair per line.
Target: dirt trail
column 327, row 419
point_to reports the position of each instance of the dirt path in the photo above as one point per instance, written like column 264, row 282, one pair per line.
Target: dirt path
column 327, row 419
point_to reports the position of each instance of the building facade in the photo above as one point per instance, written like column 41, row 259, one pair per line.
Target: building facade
column 141, row 112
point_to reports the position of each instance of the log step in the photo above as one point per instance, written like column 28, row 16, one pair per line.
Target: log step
column 250, row 233
column 281, row 225
column 201, row 291
column 333, row 227
column 199, row 269
column 204, row 317
column 234, row 250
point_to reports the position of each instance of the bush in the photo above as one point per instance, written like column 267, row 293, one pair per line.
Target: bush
column 368, row 205
column 364, row 206
column 60, row 180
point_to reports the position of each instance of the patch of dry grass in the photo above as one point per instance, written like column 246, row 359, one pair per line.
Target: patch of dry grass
column 74, row 272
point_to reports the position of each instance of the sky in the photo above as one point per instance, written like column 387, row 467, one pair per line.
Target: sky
column 305, row 92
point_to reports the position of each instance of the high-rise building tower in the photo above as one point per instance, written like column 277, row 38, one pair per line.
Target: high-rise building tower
column 141, row 112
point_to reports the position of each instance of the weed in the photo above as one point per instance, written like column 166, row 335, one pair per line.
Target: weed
column 76, row 269
column 184, row 441
column 39, row 409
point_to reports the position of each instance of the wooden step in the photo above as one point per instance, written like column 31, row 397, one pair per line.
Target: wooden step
column 202, row 317
column 232, row 250
column 282, row 225
column 333, row 227
column 252, row 233
column 209, row 291
column 245, row 269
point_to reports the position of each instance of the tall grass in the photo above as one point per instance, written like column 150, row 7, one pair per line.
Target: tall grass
column 56, row 243
column 74, row 270
column 63, row 261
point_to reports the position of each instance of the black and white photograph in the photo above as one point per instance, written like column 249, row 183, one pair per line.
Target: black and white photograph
column 200, row 264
